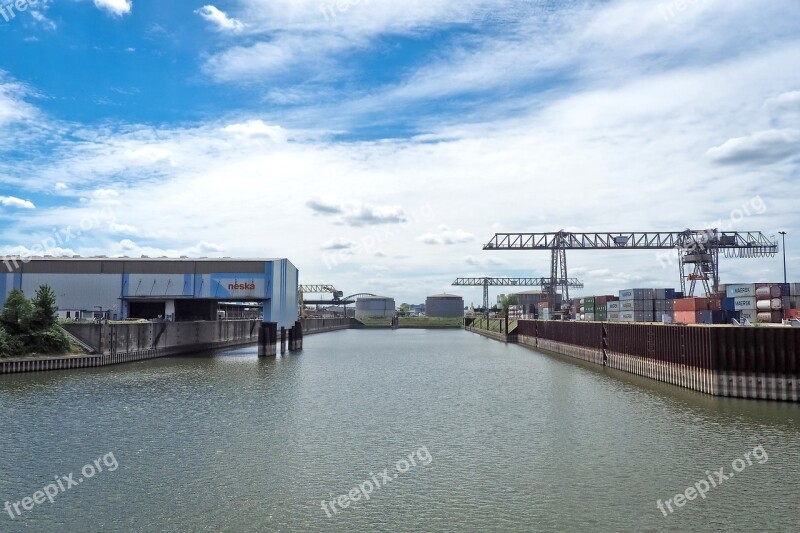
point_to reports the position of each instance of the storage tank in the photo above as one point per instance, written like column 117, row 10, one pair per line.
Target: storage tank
column 444, row 306
column 375, row 307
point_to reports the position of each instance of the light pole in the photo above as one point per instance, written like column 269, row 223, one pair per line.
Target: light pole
column 783, row 236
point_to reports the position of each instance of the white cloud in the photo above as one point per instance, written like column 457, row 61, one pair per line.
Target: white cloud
column 45, row 22
column 357, row 214
column 220, row 19
column 149, row 155
column 12, row 201
column 257, row 128
column 115, row 7
column 338, row 244
column 762, row 148
column 445, row 236
column 789, row 101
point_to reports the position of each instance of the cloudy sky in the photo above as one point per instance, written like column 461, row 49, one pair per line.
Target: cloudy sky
column 379, row 144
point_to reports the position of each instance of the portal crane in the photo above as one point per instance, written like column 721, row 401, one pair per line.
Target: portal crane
column 697, row 249
column 316, row 289
column 485, row 282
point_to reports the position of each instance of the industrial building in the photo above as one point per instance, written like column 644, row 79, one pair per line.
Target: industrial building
column 375, row 307
column 444, row 306
column 172, row 289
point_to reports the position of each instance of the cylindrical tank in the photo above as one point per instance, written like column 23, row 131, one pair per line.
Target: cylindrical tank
column 763, row 293
column 375, row 307
column 444, row 306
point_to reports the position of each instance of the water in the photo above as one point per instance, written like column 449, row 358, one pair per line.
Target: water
column 513, row 440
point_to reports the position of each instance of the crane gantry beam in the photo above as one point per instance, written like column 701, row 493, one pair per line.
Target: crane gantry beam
column 694, row 247
column 486, row 282
column 302, row 290
column 712, row 238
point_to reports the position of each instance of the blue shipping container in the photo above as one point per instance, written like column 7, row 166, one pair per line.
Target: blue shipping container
column 729, row 304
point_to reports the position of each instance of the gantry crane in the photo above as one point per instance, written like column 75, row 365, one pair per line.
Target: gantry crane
column 485, row 282
column 315, row 289
column 695, row 248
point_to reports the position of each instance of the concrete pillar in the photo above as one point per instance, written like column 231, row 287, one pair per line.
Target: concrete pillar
column 283, row 341
column 169, row 309
column 296, row 337
column 267, row 339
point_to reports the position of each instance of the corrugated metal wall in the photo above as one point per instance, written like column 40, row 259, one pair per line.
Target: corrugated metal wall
column 755, row 362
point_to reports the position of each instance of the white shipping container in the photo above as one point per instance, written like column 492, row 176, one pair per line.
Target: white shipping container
column 749, row 314
column 613, row 307
column 740, row 304
column 734, row 291
column 613, row 316
column 627, row 316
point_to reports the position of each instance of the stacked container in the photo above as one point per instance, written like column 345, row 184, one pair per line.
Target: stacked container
column 612, row 310
column 646, row 305
column 763, row 302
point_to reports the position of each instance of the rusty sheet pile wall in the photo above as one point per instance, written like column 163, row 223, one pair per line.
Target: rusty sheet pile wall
column 758, row 362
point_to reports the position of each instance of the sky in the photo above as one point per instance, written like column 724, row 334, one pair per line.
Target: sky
column 380, row 144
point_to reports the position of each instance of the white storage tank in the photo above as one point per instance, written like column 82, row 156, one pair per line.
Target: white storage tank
column 444, row 306
column 375, row 307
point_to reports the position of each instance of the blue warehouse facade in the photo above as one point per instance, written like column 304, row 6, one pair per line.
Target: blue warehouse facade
column 174, row 289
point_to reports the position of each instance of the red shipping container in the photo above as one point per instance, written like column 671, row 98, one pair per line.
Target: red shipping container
column 687, row 317
column 714, row 304
column 793, row 313
column 600, row 300
column 692, row 304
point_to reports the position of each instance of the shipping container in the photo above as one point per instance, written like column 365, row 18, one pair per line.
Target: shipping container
column 769, row 305
column 773, row 317
column 637, row 305
column 711, row 317
column 734, row 291
column 748, row 314
column 613, row 316
column 612, row 307
column 692, row 304
column 743, row 303
column 686, row 317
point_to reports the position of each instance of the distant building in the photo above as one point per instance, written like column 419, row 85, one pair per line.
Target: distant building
column 444, row 306
column 375, row 307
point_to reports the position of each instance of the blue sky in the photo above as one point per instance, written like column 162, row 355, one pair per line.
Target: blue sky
column 379, row 144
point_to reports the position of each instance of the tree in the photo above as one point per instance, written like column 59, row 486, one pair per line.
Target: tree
column 5, row 343
column 17, row 314
column 45, row 310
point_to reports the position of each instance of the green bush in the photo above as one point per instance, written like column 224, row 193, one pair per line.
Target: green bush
column 5, row 343
column 31, row 326
column 52, row 340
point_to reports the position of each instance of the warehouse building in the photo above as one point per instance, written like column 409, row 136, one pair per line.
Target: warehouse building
column 172, row 289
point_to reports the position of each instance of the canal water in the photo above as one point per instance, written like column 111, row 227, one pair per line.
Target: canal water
column 441, row 430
